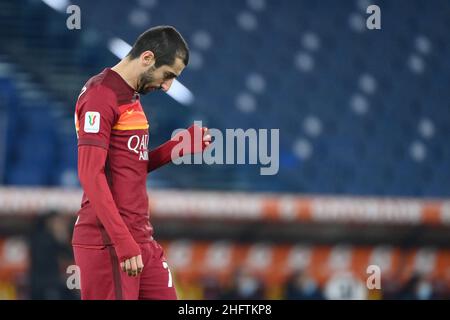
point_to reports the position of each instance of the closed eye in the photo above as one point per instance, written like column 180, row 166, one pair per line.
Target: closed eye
column 169, row 75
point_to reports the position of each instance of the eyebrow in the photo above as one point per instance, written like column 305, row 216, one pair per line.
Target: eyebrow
column 169, row 74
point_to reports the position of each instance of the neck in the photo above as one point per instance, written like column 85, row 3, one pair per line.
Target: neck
column 127, row 71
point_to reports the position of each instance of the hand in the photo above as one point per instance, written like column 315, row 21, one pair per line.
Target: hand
column 132, row 266
column 196, row 131
column 193, row 133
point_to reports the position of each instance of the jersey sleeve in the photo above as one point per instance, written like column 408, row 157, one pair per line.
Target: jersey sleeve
column 95, row 116
column 91, row 171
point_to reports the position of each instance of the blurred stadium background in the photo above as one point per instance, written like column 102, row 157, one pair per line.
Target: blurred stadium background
column 364, row 118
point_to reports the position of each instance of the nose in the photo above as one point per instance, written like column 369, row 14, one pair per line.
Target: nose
column 166, row 85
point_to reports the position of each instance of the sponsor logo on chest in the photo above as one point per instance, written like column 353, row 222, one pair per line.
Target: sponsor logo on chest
column 138, row 144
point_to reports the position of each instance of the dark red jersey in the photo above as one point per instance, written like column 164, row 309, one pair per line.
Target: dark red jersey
column 113, row 138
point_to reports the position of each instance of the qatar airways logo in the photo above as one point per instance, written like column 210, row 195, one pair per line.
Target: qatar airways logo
column 139, row 145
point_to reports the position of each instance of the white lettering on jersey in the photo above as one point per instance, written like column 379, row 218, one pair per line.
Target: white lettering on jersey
column 83, row 90
column 139, row 145
column 75, row 118
column 92, row 122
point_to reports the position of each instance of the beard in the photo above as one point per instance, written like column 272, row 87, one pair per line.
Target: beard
column 145, row 80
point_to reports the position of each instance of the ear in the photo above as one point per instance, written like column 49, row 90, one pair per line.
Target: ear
column 147, row 58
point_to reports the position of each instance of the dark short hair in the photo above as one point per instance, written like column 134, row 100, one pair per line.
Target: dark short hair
column 165, row 42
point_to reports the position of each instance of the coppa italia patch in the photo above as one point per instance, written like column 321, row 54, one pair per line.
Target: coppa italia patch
column 92, row 122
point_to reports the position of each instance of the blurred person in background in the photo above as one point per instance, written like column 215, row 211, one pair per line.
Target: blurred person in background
column 417, row 287
column 343, row 285
column 300, row 286
column 50, row 251
column 211, row 288
column 244, row 285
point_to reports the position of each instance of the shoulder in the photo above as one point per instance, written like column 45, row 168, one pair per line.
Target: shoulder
column 109, row 84
column 98, row 98
column 101, row 92
column 99, row 86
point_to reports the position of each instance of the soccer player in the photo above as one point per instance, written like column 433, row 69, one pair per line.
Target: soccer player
column 112, row 240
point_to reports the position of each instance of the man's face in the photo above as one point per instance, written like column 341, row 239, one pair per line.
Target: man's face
column 160, row 78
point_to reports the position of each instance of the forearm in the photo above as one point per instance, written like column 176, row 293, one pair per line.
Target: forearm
column 191, row 140
column 161, row 155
